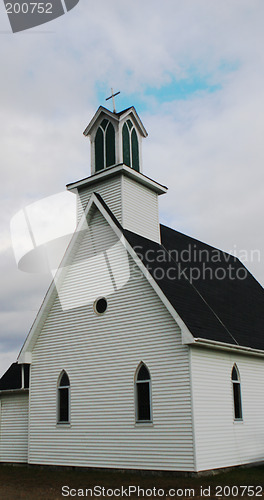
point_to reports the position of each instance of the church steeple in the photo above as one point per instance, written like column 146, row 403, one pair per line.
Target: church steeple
column 116, row 172
column 115, row 139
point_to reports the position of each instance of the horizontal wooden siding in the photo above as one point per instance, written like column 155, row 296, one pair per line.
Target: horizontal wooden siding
column 14, row 428
column 101, row 355
column 219, row 440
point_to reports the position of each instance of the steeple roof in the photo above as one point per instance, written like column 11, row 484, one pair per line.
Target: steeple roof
column 116, row 117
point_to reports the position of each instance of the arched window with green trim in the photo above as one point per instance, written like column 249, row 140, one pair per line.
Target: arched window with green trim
column 126, row 145
column 110, row 145
column 130, row 146
column 104, row 145
column 135, row 152
column 99, row 150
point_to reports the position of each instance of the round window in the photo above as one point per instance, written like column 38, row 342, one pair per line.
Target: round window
column 100, row 305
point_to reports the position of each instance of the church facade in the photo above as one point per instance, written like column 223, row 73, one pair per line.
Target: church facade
column 148, row 349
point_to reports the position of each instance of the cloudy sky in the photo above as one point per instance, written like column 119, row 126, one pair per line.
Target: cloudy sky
column 194, row 71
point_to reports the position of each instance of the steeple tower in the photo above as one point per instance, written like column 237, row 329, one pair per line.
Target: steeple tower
column 116, row 172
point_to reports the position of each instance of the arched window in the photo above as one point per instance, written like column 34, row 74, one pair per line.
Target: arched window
column 104, row 145
column 63, row 398
column 236, row 393
column 99, row 150
column 110, row 145
column 130, row 145
column 126, row 145
column 135, row 152
column 143, row 394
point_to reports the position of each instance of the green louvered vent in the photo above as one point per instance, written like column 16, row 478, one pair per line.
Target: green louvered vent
column 104, row 145
column 130, row 146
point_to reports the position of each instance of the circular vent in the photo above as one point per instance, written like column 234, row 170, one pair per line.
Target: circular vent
column 100, row 305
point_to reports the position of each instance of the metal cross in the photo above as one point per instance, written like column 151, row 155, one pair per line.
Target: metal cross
column 113, row 97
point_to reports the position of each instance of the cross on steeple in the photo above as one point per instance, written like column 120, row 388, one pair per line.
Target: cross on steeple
column 113, row 97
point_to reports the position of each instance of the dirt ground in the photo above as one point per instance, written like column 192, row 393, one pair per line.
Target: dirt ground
column 36, row 483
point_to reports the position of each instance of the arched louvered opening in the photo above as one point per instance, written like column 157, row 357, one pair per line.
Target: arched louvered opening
column 110, row 145
column 99, row 150
column 143, row 394
column 130, row 146
column 236, row 393
column 126, row 145
column 135, row 152
column 63, row 398
column 104, row 145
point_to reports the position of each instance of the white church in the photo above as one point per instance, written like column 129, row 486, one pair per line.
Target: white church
column 148, row 349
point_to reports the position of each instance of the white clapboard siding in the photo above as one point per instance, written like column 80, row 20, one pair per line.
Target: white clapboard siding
column 111, row 192
column 101, row 355
column 135, row 206
column 140, row 210
column 14, row 428
column 219, row 441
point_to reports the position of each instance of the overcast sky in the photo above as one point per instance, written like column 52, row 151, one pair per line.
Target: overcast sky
column 194, row 71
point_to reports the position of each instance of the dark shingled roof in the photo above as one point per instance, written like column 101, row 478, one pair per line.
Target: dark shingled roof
column 12, row 378
column 214, row 294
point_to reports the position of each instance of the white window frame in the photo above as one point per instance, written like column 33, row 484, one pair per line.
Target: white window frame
column 64, row 422
column 237, row 382
column 136, row 382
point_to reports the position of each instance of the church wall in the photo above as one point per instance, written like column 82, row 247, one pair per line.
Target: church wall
column 140, row 210
column 134, row 205
column 14, row 428
column 101, row 355
column 219, row 440
column 110, row 190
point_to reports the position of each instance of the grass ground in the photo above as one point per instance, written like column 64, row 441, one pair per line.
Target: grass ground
column 35, row 483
